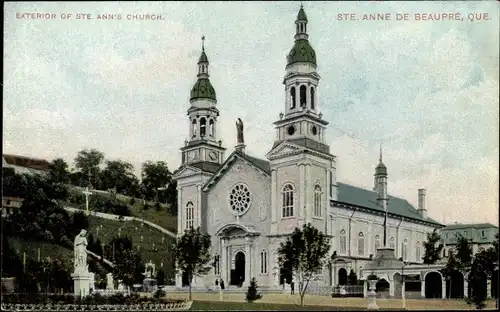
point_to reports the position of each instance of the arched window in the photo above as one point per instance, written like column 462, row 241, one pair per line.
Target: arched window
column 303, row 95
column 211, row 127
column 203, row 126
column 287, row 205
column 312, row 97
column 317, row 201
column 263, row 262
column 377, row 242
column 292, row 98
column 417, row 252
column 391, row 243
column 193, row 125
column 405, row 250
column 361, row 244
column 343, row 242
column 189, row 215
column 217, row 265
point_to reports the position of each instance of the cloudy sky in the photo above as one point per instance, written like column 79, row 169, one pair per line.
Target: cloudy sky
column 427, row 89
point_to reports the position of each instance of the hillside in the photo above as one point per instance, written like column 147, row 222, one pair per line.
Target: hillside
column 162, row 217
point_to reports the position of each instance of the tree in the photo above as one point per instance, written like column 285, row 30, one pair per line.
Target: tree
column 304, row 254
column 160, row 277
column 452, row 266
column 192, row 254
column 352, row 278
column 128, row 262
column 119, row 175
column 58, row 171
column 252, row 293
column 88, row 162
column 154, row 176
column 464, row 254
column 477, row 279
column 432, row 248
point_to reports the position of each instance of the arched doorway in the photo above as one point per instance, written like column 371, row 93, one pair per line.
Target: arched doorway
column 342, row 276
column 494, row 284
column 455, row 285
column 238, row 274
column 433, row 285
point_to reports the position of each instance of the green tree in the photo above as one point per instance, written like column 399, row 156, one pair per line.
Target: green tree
column 304, row 255
column 58, row 171
column 160, row 277
column 452, row 266
column 464, row 254
column 127, row 261
column 352, row 278
column 252, row 293
column 154, row 176
column 119, row 175
column 88, row 162
column 192, row 254
column 432, row 248
column 478, row 277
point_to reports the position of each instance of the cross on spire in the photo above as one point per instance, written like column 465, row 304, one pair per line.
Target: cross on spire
column 203, row 43
column 380, row 159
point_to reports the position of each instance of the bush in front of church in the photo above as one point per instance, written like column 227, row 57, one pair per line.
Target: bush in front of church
column 252, row 293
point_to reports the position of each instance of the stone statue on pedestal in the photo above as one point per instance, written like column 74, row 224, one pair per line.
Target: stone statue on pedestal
column 239, row 131
column 109, row 282
column 80, row 251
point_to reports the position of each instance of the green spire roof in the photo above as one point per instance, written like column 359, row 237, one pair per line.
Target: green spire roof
column 302, row 15
column 381, row 169
column 203, row 58
column 301, row 52
column 203, row 89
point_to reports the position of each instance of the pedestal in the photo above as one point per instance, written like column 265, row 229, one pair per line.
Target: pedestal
column 372, row 295
column 81, row 283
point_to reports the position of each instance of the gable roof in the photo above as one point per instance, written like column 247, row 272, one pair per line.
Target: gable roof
column 26, row 162
column 260, row 164
column 469, row 226
column 365, row 198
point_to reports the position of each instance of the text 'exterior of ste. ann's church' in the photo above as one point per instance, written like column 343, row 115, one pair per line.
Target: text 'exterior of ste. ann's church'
column 249, row 205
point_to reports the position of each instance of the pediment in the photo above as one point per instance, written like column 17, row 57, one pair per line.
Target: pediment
column 283, row 149
column 186, row 171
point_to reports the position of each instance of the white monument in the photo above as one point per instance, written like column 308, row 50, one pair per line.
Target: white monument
column 92, row 281
column 109, row 282
column 81, row 275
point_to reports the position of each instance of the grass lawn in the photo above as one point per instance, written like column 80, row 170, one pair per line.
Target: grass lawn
column 236, row 301
column 154, row 245
column 259, row 306
column 46, row 250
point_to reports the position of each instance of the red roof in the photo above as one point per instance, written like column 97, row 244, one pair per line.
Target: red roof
column 27, row 162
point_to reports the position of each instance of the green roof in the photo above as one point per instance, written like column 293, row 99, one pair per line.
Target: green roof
column 364, row 198
column 203, row 58
column 302, row 15
column 381, row 169
column 203, row 89
column 301, row 52
column 468, row 226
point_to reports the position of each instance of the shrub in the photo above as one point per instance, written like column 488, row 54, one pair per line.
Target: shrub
column 131, row 202
column 252, row 293
column 145, row 207
column 159, row 293
column 158, row 207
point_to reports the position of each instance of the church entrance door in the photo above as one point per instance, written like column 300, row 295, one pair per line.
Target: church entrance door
column 238, row 274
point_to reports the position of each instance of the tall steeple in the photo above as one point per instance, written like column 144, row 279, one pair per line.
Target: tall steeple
column 302, row 123
column 202, row 145
column 381, row 188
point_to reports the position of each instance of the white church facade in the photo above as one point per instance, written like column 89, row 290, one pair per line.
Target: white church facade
column 249, row 205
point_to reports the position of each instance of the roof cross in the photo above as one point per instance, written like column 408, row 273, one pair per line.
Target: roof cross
column 203, row 43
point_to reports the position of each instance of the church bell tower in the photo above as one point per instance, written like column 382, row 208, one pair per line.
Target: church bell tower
column 302, row 168
column 202, row 144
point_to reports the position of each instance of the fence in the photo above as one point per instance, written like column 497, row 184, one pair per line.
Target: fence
column 348, row 291
column 177, row 306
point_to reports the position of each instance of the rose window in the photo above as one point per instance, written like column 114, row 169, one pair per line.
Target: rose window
column 240, row 199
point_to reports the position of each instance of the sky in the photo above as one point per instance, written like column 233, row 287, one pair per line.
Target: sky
column 427, row 90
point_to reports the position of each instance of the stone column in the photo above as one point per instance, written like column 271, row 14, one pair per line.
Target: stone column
column 274, row 185
column 466, row 287
column 488, row 289
column 302, row 191
column 297, row 96
column 223, row 267
column 443, row 288
column 308, row 97
column 198, row 207
column 391, row 287
column 180, row 213
column 365, row 289
column 248, row 264
column 422, row 288
column 308, row 193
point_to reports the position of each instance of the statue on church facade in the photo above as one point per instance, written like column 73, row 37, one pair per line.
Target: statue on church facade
column 80, row 250
column 239, row 131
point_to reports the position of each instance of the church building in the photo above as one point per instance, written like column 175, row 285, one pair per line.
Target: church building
column 249, row 205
